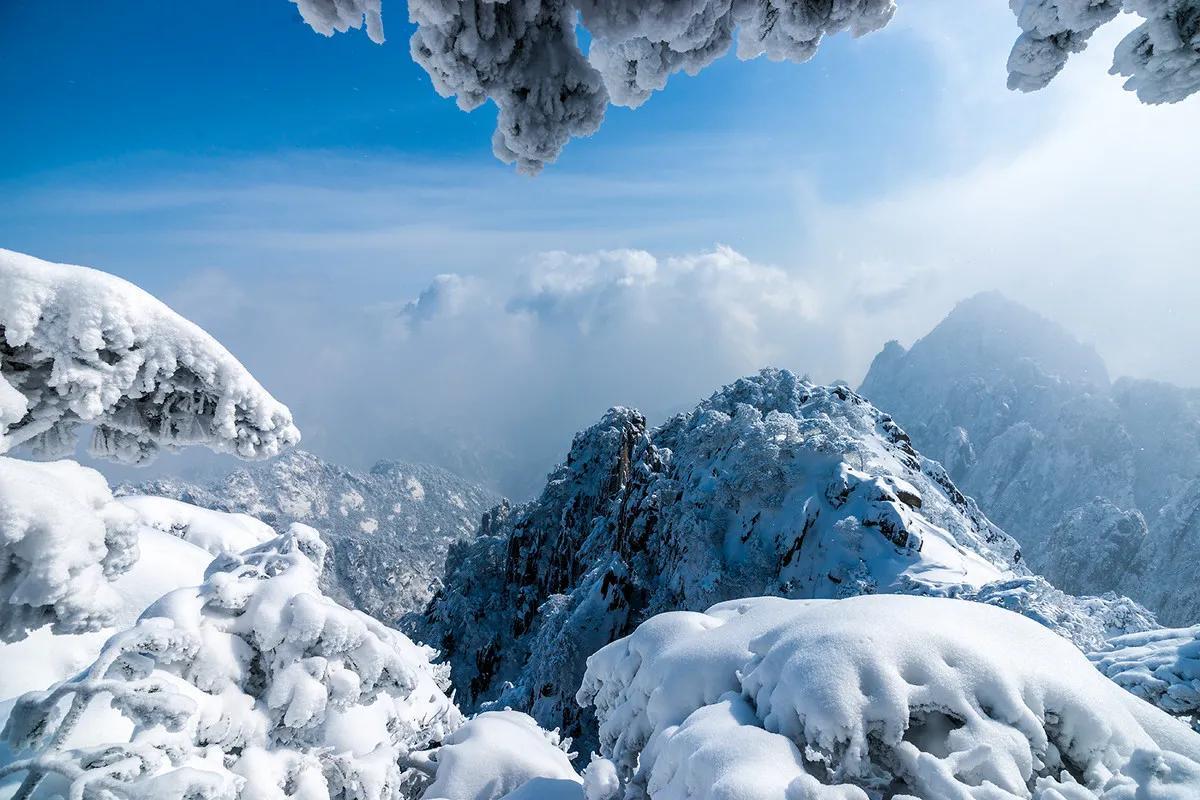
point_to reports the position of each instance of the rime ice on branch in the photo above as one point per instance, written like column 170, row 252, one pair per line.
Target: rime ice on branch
column 1160, row 58
column 524, row 55
column 82, row 348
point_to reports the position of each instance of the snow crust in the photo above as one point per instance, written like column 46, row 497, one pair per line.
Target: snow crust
column 79, row 347
column 874, row 696
column 250, row 685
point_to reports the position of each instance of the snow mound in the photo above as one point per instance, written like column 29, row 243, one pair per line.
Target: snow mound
column 251, row 685
column 63, row 539
column 869, row 697
column 80, row 347
column 1161, row 666
column 499, row 753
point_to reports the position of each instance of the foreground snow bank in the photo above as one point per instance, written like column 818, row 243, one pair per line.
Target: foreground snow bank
column 80, row 347
column 252, row 685
column 874, row 696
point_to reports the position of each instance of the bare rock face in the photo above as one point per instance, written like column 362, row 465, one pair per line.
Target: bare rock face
column 772, row 486
column 1026, row 421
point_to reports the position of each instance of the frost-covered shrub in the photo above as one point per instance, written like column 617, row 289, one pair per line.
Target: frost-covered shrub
column 498, row 753
column 252, row 685
column 82, row 348
column 63, row 539
column 874, row 697
column 1161, row 666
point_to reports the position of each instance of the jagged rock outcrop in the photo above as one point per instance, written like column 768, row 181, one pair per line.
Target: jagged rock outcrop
column 388, row 530
column 772, row 486
column 1026, row 421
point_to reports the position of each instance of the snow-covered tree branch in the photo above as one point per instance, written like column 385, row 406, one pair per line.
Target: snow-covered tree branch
column 245, row 686
column 82, row 348
column 525, row 56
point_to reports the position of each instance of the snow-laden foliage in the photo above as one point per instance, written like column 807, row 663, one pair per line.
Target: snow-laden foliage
column 63, row 539
column 498, row 753
column 772, row 486
column 1161, row 666
column 1098, row 480
column 388, row 529
column 874, row 697
column 82, row 348
column 524, row 55
column 252, row 685
column 328, row 17
column 1160, row 58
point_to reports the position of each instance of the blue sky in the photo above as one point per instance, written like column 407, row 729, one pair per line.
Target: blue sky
column 266, row 180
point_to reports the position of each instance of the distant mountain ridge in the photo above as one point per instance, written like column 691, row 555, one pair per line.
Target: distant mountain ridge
column 1099, row 480
column 388, row 529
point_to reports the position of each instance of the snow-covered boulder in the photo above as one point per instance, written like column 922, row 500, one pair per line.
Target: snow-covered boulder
column 771, row 486
column 251, row 685
column 1161, row 666
column 388, row 529
column 81, row 348
column 874, row 697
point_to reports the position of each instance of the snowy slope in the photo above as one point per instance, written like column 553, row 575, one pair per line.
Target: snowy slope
column 1027, row 422
column 388, row 529
column 771, row 486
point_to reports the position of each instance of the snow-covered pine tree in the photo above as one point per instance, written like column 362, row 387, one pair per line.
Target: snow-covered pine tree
column 252, row 685
column 82, row 349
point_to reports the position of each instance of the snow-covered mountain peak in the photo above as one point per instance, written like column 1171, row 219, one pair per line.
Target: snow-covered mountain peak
column 771, row 486
column 1096, row 480
column 990, row 337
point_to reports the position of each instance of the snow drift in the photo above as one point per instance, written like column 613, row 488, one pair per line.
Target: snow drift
column 872, row 697
column 82, row 348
